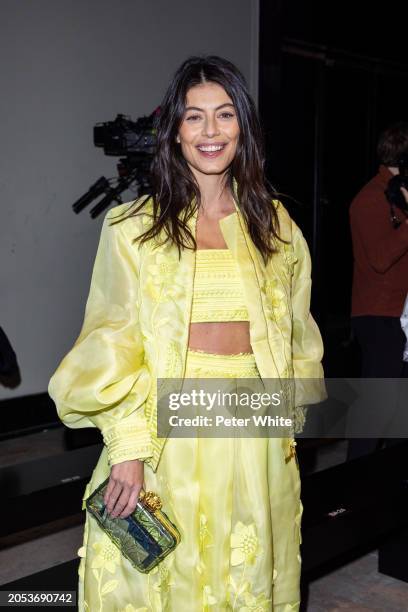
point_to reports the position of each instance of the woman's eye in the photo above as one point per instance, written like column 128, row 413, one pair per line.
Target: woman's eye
column 226, row 115
column 193, row 117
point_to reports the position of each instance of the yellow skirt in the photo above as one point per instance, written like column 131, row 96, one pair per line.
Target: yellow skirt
column 236, row 502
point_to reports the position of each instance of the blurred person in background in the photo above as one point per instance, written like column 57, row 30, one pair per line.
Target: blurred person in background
column 380, row 272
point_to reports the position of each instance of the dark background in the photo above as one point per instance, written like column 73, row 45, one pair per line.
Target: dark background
column 331, row 77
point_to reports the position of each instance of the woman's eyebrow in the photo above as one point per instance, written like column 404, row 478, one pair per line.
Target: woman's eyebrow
column 201, row 109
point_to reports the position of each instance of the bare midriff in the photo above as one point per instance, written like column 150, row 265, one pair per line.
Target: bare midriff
column 221, row 337
column 226, row 338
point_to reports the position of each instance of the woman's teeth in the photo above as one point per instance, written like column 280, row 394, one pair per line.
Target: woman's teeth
column 211, row 148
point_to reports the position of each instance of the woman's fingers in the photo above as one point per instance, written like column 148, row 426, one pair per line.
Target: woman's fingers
column 132, row 501
column 114, row 496
column 121, row 501
column 109, row 489
column 123, row 488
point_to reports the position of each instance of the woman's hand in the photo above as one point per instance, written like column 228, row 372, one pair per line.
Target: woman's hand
column 125, row 481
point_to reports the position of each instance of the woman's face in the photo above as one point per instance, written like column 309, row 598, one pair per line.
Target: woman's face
column 209, row 132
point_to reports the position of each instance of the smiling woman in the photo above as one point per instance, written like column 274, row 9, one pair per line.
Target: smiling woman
column 236, row 306
column 209, row 136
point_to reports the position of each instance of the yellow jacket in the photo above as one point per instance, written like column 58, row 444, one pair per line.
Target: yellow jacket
column 136, row 328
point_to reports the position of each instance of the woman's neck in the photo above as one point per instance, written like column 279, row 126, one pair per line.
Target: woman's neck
column 216, row 196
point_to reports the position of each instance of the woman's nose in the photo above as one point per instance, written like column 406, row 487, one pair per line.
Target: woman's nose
column 210, row 127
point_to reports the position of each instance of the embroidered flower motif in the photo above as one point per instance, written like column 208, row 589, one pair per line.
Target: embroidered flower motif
column 240, row 588
column 165, row 581
column 107, row 555
column 244, row 544
column 204, row 532
column 163, row 268
column 161, row 274
column 290, row 259
column 276, row 298
column 255, row 603
column 208, row 598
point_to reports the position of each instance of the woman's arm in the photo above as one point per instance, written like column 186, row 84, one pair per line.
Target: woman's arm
column 307, row 344
column 103, row 382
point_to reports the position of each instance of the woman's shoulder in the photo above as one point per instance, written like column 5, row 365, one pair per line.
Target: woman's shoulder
column 132, row 216
column 286, row 223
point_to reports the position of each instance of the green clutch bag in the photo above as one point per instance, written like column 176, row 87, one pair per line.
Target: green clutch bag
column 145, row 537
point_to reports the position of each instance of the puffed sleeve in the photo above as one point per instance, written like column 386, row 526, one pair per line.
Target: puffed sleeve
column 307, row 344
column 103, row 381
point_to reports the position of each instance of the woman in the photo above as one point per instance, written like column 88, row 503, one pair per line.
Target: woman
column 207, row 278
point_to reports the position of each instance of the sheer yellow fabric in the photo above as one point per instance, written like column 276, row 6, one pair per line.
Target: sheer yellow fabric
column 237, row 504
column 135, row 330
column 218, row 292
column 103, row 381
column 137, row 321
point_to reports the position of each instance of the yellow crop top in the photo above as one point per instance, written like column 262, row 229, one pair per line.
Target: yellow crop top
column 218, row 293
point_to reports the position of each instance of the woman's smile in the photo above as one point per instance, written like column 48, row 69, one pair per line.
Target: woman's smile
column 212, row 150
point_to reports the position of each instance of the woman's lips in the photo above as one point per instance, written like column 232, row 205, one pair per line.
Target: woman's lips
column 212, row 154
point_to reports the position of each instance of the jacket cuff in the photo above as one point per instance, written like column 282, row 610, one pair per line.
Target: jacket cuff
column 125, row 442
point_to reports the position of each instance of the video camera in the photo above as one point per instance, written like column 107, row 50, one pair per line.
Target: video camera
column 136, row 142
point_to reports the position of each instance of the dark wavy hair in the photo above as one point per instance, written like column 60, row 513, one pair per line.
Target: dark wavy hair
column 174, row 185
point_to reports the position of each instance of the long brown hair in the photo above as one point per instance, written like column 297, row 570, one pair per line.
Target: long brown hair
column 174, row 186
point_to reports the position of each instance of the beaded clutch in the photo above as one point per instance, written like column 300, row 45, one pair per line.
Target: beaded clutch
column 145, row 537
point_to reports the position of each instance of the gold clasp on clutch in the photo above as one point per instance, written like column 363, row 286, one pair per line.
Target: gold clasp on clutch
column 151, row 500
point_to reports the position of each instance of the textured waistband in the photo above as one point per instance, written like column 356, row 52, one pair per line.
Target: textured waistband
column 202, row 363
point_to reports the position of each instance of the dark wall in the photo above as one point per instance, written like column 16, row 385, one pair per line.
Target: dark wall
column 331, row 78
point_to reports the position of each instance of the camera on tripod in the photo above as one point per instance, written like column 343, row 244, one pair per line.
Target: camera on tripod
column 136, row 142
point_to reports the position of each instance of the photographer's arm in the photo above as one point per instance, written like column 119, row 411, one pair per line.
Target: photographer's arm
column 383, row 244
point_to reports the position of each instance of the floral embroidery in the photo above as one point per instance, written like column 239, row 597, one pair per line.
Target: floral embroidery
column 244, row 544
column 161, row 274
column 244, row 551
column 290, row 259
column 276, row 298
column 108, row 555
column 240, row 588
column 208, row 598
column 255, row 603
column 164, row 579
column 204, row 532
column 161, row 287
column 107, row 558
